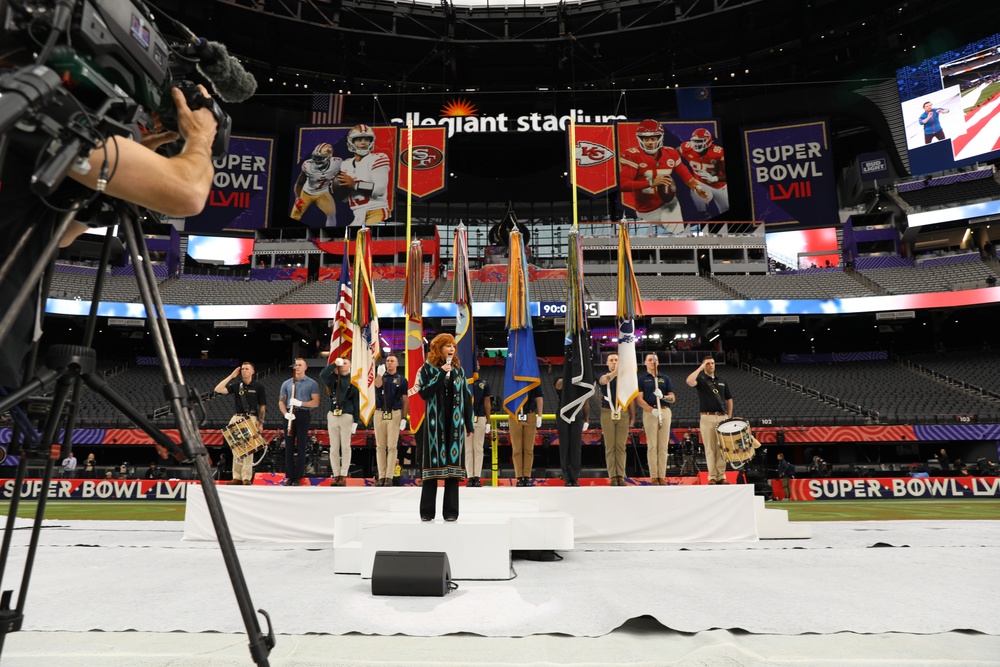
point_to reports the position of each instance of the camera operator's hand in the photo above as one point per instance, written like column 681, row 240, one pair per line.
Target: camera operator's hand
column 198, row 125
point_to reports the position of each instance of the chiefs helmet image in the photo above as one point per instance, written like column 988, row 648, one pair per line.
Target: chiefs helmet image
column 649, row 129
column 321, row 155
column 701, row 139
column 359, row 132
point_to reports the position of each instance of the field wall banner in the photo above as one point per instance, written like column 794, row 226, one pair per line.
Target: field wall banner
column 791, row 173
column 99, row 489
column 863, row 488
column 240, row 198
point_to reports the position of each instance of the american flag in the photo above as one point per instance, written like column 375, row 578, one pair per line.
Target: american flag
column 327, row 109
column 342, row 336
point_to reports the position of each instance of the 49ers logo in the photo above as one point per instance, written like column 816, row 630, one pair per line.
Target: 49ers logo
column 424, row 157
column 589, row 154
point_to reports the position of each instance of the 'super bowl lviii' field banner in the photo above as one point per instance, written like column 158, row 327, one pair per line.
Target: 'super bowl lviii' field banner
column 594, row 152
column 366, row 154
column 240, row 199
column 890, row 487
column 430, row 174
column 792, row 183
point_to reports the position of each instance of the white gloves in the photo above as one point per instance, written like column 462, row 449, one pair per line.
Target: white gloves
column 402, row 424
column 658, row 393
column 294, row 402
column 538, row 421
column 290, row 416
column 658, row 413
column 380, row 370
column 338, row 362
column 488, row 428
column 586, row 426
column 354, row 429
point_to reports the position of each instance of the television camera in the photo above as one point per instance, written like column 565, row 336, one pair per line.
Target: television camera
column 103, row 68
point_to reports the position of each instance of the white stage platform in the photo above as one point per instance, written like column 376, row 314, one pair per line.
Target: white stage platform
column 655, row 514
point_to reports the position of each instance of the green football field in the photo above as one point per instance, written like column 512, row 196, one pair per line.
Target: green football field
column 825, row 510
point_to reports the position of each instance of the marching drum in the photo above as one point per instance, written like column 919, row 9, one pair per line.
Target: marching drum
column 737, row 443
column 242, row 436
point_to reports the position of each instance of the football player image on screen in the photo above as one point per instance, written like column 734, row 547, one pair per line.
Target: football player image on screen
column 313, row 184
column 364, row 179
column 707, row 161
column 647, row 171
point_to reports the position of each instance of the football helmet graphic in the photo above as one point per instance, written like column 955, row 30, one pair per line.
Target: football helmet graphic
column 321, row 155
column 646, row 131
column 360, row 132
column 701, row 139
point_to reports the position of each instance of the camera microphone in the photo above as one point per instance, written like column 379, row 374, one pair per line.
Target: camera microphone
column 230, row 80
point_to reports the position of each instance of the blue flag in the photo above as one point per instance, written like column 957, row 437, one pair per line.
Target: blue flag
column 521, row 371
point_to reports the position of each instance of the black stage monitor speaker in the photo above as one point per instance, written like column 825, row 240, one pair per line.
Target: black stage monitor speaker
column 411, row 573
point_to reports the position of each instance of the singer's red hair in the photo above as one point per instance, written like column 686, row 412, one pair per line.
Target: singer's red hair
column 436, row 357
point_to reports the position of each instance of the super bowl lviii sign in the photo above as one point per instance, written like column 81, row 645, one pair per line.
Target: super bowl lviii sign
column 241, row 187
column 790, row 169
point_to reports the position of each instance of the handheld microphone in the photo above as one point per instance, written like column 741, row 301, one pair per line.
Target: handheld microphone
column 448, row 363
column 229, row 79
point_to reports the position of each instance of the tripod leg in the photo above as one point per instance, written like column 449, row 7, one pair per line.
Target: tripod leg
column 191, row 443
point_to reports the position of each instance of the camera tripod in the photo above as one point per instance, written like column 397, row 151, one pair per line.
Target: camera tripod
column 70, row 366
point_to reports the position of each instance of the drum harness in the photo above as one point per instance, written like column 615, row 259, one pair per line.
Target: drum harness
column 244, row 404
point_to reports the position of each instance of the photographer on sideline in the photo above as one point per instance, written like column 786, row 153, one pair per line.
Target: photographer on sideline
column 177, row 186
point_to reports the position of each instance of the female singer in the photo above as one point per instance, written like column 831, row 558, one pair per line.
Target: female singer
column 448, row 418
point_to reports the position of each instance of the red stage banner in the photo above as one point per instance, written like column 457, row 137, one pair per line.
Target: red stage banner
column 430, row 175
column 594, row 152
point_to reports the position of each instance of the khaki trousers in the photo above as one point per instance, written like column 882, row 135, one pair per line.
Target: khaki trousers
column 386, row 439
column 615, row 440
column 243, row 465
column 657, row 441
column 713, row 452
column 522, row 442
column 339, row 428
column 474, row 448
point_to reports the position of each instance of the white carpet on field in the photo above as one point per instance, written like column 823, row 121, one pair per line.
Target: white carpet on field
column 861, row 577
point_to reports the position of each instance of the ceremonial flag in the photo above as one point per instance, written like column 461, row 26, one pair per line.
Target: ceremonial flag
column 414, row 303
column 365, row 347
column 340, row 339
column 593, row 150
column 326, row 109
column 578, row 368
column 521, row 371
column 629, row 307
column 465, row 334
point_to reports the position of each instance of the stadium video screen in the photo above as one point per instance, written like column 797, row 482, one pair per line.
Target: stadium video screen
column 804, row 249
column 951, row 107
column 220, row 250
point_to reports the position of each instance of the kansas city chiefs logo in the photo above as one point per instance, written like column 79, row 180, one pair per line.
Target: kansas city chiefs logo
column 424, row 157
column 589, row 154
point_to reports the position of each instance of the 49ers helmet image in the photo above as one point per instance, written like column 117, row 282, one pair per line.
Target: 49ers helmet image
column 358, row 132
column 701, row 139
column 321, row 155
column 648, row 129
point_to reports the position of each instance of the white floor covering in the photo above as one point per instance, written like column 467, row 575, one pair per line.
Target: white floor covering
column 857, row 593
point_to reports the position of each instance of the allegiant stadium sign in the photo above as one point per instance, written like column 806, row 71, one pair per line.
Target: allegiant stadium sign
column 533, row 122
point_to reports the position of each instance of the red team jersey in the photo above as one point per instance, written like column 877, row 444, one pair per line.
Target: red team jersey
column 710, row 163
column 638, row 169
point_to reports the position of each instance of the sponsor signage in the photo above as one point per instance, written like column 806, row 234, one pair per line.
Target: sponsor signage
column 891, row 487
column 99, row 489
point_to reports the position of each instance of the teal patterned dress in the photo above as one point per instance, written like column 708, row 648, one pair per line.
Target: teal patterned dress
column 447, row 419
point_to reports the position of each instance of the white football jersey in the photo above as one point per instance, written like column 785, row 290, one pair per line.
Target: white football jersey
column 372, row 168
column 318, row 180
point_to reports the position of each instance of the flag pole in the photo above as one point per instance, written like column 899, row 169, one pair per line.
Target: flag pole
column 409, row 181
column 572, row 169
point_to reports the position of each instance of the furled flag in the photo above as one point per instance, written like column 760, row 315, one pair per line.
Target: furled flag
column 340, row 339
column 326, row 109
column 365, row 347
column 629, row 307
column 465, row 333
column 578, row 368
column 521, row 370
column 413, row 302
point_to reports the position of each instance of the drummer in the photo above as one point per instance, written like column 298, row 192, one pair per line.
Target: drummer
column 251, row 403
column 716, row 404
